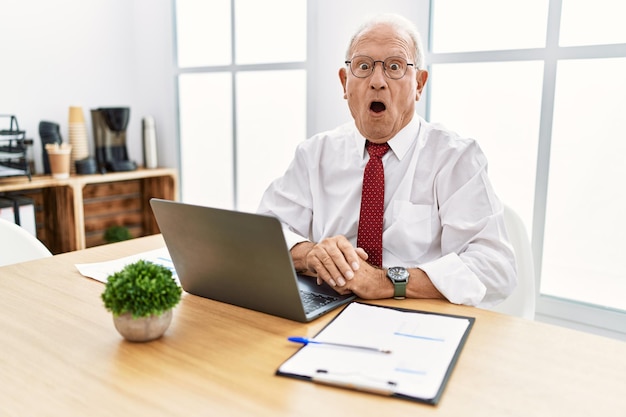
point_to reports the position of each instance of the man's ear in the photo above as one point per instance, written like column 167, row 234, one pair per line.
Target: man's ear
column 421, row 77
column 343, row 76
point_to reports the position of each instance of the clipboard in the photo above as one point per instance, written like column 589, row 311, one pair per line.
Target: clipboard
column 413, row 356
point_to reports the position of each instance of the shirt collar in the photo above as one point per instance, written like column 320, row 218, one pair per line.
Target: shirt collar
column 401, row 142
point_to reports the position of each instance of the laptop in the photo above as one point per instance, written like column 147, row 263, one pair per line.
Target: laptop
column 241, row 259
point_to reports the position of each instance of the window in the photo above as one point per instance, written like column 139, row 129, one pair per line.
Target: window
column 241, row 87
column 539, row 84
column 466, row 26
column 586, row 183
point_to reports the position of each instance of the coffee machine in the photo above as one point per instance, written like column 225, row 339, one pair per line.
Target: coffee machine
column 109, row 131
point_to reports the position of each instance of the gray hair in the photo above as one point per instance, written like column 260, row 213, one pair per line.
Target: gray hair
column 401, row 25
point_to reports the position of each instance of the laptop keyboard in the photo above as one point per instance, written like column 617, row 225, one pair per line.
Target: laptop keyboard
column 312, row 301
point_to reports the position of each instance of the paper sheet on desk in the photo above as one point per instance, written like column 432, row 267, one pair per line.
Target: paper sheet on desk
column 101, row 270
column 423, row 348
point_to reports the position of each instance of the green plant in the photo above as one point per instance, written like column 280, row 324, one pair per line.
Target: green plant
column 142, row 288
column 116, row 234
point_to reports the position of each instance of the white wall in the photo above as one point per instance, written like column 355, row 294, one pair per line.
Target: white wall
column 96, row 53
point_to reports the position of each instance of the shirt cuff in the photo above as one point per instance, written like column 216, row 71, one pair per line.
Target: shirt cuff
column 455, row 280
column 291, row 238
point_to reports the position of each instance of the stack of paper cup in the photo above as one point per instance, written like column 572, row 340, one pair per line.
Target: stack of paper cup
column 77, row 136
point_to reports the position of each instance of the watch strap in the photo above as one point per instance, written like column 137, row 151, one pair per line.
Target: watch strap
column 399, row 289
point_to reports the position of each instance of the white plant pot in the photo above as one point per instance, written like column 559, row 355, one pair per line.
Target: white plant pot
column 142, row 329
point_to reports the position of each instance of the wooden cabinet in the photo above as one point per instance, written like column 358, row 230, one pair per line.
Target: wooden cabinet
column 73, row 213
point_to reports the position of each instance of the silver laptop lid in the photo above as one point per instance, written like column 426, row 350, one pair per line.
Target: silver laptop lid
column 234, row 257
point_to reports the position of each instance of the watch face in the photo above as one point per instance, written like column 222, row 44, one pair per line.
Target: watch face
column 398, row 273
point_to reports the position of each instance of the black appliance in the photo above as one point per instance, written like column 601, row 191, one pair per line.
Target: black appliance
column 109, row 131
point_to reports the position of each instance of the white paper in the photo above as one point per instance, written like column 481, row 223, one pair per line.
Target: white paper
column 422, row 347
column 102, row 270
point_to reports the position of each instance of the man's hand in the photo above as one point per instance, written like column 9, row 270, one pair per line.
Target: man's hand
column 342, row 266
column 333, row 260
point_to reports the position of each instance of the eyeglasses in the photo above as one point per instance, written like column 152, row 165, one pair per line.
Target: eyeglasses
column 363, row 66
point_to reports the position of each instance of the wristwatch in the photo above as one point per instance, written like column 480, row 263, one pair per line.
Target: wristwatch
column 399, row 276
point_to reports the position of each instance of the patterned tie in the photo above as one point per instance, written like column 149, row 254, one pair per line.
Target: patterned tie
column 370, row 235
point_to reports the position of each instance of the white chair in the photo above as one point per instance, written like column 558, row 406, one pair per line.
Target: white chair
column 522, row 302
column 17, row 245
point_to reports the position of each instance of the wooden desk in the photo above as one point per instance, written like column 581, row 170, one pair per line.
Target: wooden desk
column 61, row 356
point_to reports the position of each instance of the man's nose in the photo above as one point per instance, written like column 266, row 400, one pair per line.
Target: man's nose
column 378, row 79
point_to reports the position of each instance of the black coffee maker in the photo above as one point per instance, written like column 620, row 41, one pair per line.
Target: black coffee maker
column 109, row 132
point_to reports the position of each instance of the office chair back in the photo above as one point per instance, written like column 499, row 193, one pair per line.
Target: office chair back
column 522, row 302
column 17, row 245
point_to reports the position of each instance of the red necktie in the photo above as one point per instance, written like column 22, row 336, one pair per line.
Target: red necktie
column 370, row 235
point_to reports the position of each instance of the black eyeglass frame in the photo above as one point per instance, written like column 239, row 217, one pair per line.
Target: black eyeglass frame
column 349, row 64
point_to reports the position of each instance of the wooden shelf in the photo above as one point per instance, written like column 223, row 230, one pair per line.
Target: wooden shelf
column 73, row 213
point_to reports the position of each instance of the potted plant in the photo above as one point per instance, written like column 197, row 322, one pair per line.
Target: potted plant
column 117, row 234
column 141, row 297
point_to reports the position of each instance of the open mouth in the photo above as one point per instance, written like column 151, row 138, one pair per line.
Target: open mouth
column 377, row 107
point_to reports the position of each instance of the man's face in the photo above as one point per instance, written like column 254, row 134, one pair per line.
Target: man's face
column 381, row 106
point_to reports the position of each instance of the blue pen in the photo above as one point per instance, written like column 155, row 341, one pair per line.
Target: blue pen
column 306, row 341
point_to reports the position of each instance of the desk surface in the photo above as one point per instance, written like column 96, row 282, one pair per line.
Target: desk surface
column 61, row 355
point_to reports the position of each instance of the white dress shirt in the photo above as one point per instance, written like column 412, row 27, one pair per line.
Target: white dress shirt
column 441, row 213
